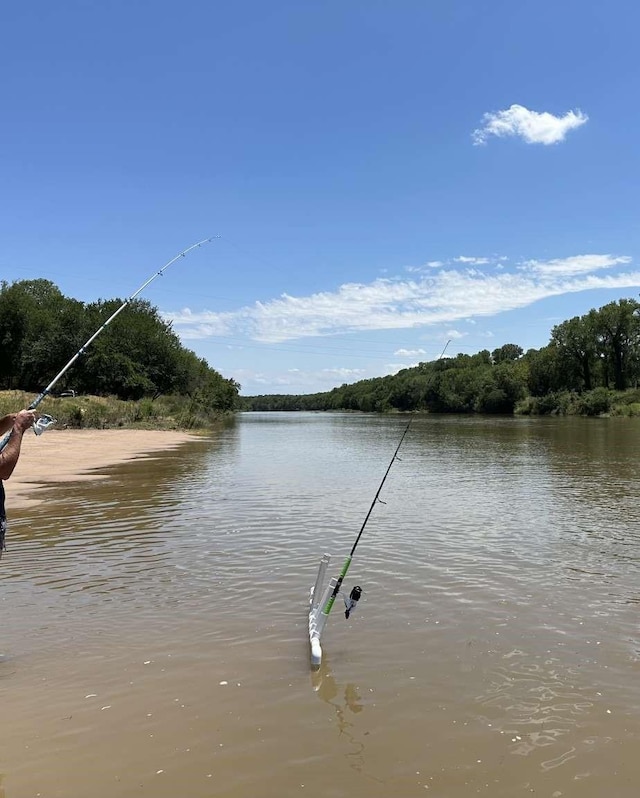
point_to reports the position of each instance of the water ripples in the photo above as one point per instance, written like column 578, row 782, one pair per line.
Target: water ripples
column 500, row 584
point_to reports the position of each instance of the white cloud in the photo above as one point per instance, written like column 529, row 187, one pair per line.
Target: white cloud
column 578, row 264
column 455, row 334
column 531, row 126
column 409, row 352
column 474, row 261
column 343, row 373
column 430, row 264
column 443, row 297
column 198, row 326
column 295, row 380
column 394, row 368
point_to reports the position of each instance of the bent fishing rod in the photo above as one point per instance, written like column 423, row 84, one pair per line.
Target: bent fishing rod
column 45, row 421
column 357, row 591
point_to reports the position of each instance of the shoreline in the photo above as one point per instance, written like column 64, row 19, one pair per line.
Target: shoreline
column 76, row 455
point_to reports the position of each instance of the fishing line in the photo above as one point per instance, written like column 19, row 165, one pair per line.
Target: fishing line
column 357, row 590
column 321, row 601
column 45, row 421
column 376, row 499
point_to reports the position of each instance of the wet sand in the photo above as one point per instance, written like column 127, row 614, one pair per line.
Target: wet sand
column 73, row 455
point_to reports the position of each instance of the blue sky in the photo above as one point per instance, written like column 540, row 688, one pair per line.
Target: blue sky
column 383, row 177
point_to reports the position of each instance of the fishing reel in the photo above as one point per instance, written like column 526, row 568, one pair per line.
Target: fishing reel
column 43, row 423
column 354, row 598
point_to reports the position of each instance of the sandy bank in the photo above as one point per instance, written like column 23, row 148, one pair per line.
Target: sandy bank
column 70, row 455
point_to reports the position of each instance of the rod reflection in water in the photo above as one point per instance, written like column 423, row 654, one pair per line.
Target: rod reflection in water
column 343, row 701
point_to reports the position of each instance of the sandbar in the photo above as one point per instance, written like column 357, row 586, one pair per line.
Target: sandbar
column 73, row 455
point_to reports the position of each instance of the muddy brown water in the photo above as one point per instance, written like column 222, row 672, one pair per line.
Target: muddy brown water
column 153, row 638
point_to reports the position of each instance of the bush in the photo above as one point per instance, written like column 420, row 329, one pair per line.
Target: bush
column 551, row 404
column 630, row 397
column 72, row 416
column 526, row 407
column 494, row 400
column 95, row 416
column 627, row 410
column 594, row 403
column 11, row 401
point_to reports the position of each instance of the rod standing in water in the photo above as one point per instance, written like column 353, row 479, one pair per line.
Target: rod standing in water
column 16, row 424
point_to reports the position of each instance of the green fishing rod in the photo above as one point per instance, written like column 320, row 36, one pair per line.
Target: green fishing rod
column 357, row 591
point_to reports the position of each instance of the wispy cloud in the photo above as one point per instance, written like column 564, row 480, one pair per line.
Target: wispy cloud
column 442, row 297
column 470, row 260
column 296, row 380
column 533, row 127
column 394, row 368
column 409, row 352
column 578, row 264
column 430, row 264
column 342, row 373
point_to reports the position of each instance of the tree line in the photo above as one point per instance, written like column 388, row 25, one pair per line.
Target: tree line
column 590, row 364
column 139, row 356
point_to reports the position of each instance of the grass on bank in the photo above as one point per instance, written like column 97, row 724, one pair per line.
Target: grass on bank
column 598, row 402
column 97, row 412
column 182, row 413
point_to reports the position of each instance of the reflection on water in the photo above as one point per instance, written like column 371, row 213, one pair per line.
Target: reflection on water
column 160, row 615
column 345, row 702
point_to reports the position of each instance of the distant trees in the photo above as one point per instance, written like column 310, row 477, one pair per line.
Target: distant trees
column 36, row 322
column 507, row 353
column 586, row 358
column 601, row 348
column 617, row 331
column 138, row 355
column 464, row 384
column 576, row 344
column 545, row 370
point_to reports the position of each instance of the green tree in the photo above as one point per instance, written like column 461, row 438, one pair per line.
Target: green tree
column 138, row 355
column 508, row 352
column 37, row 324
column 617, row 331
column 13, row 331
column 575, row 341
column 506, row 386
column 544, row 370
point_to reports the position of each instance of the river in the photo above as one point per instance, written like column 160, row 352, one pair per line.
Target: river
column 154, row 631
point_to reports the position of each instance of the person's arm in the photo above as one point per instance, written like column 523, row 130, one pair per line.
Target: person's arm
column 6, row 422
column 16, row 424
